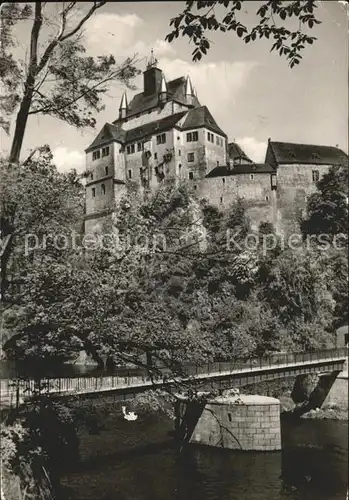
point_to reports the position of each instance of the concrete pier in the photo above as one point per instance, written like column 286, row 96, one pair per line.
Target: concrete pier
column 339, row 391
column 238, row 422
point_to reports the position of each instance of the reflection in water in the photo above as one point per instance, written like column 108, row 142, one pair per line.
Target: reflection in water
column 120, row 464
column 11, row 369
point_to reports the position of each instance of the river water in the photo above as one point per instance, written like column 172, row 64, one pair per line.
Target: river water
column 139, row 461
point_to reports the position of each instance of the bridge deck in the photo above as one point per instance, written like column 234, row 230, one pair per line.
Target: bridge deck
column 237, row 373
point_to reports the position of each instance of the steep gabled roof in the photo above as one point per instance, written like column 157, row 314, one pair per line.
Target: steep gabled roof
column 108, row 133
column 247, row 168
column 152, row 128
column 289, row 152
column 175, row 91
column 236, row 153
column 201, row 117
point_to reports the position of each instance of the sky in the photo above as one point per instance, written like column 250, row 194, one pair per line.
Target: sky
column 251, row 92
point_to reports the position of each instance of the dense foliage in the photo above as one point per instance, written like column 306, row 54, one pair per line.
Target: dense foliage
column 38, row 204
column 327, row 222
column 171, row 284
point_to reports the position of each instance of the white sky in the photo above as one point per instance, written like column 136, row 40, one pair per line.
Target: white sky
column 252, row 93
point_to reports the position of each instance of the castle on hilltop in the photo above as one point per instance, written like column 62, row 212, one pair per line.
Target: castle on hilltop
column 164, row 135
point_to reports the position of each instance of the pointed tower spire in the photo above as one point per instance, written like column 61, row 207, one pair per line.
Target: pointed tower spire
column 188, row 87
column 189, row 91
column 123, row 106
column 163, row 84
column 163, row 90
column 152, row 61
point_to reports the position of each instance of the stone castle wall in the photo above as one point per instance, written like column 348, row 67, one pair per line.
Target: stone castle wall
column 282, row 206
column 294, row 186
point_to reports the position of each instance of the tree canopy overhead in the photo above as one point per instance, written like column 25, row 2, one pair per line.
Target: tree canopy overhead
column 285, row 24
column 56, row 76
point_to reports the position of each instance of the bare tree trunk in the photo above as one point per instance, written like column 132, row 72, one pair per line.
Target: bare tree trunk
column 21, row 124
column 23, row 113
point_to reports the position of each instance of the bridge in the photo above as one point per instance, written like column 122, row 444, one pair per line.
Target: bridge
column 218, row 375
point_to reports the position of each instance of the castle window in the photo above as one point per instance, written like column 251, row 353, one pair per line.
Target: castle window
column 155, row 156
column 221, row 199
column 223, row 180
column 178, row 138
column 106, row 170
column 267, row 198
column 315, row 175
column 130, row 149
column 179, row 152
column 190, row 157
column 91, row 175
column 217, row 140
column 217, row 163
column 180, row 170
column 130, row 174
column 105, row 151
column 252, row 177
column 93, row 192
column 273, row 181
column 96, row 155
column 229, row 417
column 103, row 188
column 195, row 187
column 210, row 137
column 192, row 136
column 139, row 146
column 191, row 176
column 161, row 139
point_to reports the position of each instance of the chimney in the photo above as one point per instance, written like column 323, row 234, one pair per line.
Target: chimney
column 123, row 106
column 152, row 77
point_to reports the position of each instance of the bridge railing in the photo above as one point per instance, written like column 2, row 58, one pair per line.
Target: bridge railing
column 90, row 384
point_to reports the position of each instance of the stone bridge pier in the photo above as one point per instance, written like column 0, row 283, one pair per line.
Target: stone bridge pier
column 311, row 391
column 238, row 422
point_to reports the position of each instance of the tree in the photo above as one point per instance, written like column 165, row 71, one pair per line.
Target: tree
column 327, row 209
column 199, row 18
column 58, row 79
column 38, row 205
column 296, row 288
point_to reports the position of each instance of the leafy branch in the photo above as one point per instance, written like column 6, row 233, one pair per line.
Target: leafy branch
column 194, row 24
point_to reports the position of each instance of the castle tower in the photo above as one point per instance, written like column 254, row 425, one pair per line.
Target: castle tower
column 123, row 106
column 163, row 91
column 189, row 91
column 152, row 77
